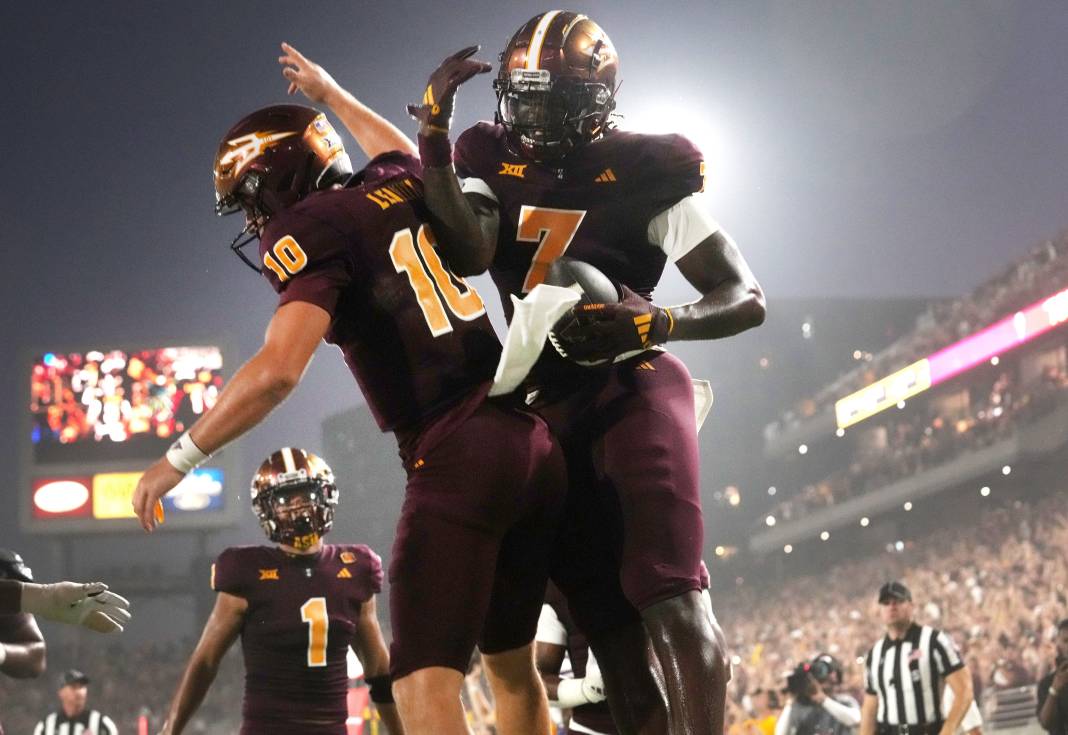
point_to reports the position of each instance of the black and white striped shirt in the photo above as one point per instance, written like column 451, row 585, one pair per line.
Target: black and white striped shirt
column 909, row 674
column 90, row 722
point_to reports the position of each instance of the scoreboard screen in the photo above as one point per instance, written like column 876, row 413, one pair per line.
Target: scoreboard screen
column 97, row 418
column 102, row 405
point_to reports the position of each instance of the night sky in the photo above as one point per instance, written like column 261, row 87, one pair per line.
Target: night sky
column 856, row 150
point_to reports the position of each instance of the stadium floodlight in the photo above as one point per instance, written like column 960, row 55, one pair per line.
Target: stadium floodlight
column 772, row 490
column 984, row 491
column 907, row 506
column 864, row 522
column 840, row 433
column 788, row 549
column 995, row 360
column 1006, row 470
column 825, row 535
column 802, row 449
column 770, row 521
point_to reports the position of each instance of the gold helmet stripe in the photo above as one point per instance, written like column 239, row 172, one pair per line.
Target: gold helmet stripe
column 538, row 39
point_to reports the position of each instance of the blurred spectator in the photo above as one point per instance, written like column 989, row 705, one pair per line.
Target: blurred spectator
column 1053, row 689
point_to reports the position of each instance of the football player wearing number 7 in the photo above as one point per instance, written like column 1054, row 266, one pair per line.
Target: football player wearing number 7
column 297, row 605
column 550, row 176
column 353, row 261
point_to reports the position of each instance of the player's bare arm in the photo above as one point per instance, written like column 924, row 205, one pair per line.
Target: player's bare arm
column 256, row 389
column 370, row 647
column 867, row 714
column 219, row 634
column 731, row 299
column 22, row 647
column 373, row 133
column 960, row 682
column 465, row 228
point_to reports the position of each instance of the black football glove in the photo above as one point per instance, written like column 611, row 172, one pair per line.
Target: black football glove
column 592, row 333
column 435, row 114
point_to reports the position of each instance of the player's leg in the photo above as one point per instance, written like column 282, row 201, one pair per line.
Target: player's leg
column 518, row 691
column 519, row 584
column 458, row 506
column 647, row 454
column 586, row 569
column 428, row 701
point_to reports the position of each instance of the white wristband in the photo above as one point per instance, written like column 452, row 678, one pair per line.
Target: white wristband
column 184, row 455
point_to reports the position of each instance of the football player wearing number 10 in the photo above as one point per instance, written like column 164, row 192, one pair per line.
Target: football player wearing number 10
column 297, row 606
column 353, row 261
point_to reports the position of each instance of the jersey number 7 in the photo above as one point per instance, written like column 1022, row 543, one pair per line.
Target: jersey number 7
column 432, row 282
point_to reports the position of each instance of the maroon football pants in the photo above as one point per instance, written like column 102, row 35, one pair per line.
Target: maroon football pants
column 470, row 558
column 633, row 531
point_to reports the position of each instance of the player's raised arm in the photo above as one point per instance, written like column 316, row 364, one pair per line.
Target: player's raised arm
column 374, row 134
column 219, row 634
column 255, row 390
column 465, row 227
column 371, row 649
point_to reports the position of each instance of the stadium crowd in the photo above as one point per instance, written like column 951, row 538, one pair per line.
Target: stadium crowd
column 904, row 445
column 998, row 587
column 1042, row 272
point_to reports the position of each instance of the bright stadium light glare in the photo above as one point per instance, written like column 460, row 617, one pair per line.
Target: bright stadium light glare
column 865, row 521
column 984, row 491
column 770, row 521
column 772, row 490
column 788, row 549
column 720, row 551
column 995, row 360
column 825, row 535
column 857, row 354
column 899, row 545
column 901, row 405
column 1006, row 469
column 840, row 433
column 907, row 506
column 803, row 449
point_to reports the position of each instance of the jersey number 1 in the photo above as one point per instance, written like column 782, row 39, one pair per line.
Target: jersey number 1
column 313, row 612
column 425, row 270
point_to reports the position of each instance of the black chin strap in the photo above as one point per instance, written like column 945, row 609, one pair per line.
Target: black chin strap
column 247, row 236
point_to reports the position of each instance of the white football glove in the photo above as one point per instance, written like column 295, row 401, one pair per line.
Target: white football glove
column 90, row 605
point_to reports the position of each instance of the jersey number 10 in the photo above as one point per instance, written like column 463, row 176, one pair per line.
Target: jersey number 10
column 432, row 282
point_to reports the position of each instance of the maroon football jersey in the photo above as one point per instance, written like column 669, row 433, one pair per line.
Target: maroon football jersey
column 597, row 716
column 415, row 336
column 595, row 205
column 301, row 618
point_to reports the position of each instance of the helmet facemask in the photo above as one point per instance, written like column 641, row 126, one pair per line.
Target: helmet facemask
column 297, row 513
column 545, row 118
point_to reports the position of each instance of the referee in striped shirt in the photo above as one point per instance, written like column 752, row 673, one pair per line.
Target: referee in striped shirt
column 906, row 672
column 73, row 717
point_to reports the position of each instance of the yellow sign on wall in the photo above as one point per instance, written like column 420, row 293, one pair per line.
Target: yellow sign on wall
column 882, row 394
column 113, row 494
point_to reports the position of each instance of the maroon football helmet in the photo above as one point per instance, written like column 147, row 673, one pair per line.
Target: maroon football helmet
column 272, row 159
column 294, row 496
column 557, row 83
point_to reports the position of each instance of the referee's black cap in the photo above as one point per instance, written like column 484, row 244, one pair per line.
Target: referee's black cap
column 73, row 677
column 894, row 591
column 13, row 567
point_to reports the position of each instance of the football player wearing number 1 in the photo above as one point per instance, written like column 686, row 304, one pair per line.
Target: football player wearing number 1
column 552, row 176
column 353, row 261
column 297, row 606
